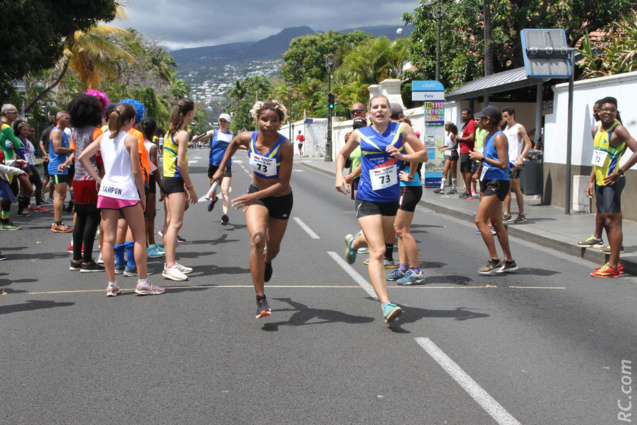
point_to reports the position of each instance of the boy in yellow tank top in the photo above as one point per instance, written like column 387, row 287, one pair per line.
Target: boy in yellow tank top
column 607, row 179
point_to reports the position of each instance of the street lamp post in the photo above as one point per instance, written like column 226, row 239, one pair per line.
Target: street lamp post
column 329, row 64
column 290, row 111
column 437, row 15
column 399, row 31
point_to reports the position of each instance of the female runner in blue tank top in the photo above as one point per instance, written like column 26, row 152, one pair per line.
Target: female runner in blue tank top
column 268, row 203
column 384, row 145
column 493, row 174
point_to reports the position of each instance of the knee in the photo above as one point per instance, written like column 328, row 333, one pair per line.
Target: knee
column 257, row 241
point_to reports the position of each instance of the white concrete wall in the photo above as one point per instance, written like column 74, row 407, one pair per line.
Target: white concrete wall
column 585, row 93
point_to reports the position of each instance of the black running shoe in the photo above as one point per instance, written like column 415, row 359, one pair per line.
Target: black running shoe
column 75, row 266
column 268, row 272
column 91, row 267
column 224, row 219
column 70, row 206
column 263, row 308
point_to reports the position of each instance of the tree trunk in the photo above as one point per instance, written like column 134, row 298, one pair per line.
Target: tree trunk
column 48, row 89
column 488, row 56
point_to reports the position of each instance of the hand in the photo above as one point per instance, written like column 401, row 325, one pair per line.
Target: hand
column 9, row 144
column 393, row 151
column 590, row 190
column 474, row 177
column 22, row 173
column 244, row 201
column 161, row 195
column 348, row 179
column 21, row 162
column 45, row 157
column 142, row 202
column 193, row 195
column 342, row 186
column 612, row 178
column 404, row 176
column 519, row 163
column 61, row 167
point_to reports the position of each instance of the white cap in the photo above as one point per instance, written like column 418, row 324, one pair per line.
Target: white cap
column 225, row 117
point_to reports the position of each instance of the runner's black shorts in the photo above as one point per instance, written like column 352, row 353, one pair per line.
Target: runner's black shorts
column 367, row 208
column 514, row 172
column 152, row 185
column 279, row 207
column 409, row 198
column 172, row 185
column 500, row 188
column 212, row 169
column 608, row 198
column 465, row 163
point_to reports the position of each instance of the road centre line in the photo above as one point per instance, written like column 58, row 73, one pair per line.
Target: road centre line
column 306, row 228
column 488, row 403
column 354, row 274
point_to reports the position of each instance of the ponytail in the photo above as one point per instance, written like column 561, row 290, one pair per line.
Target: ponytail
column 123, row 112
column 180, row 110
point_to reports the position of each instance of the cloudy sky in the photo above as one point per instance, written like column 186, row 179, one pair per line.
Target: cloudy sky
column 194, row 23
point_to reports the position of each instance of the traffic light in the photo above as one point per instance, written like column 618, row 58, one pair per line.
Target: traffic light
column 330, row 100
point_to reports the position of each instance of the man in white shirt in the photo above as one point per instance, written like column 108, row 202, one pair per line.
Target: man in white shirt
column 519, row 145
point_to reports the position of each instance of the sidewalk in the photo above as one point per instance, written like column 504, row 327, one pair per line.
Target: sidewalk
column 546, row 225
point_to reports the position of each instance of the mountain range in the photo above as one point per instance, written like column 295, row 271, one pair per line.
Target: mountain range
column 270, row 48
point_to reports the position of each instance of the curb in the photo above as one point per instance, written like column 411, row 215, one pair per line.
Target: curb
column 533, row 235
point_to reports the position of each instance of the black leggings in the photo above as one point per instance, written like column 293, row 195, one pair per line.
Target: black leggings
column 37, row 182
column 86, row 224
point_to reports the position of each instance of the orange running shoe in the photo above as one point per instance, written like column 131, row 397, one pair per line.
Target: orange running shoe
column 606, row 271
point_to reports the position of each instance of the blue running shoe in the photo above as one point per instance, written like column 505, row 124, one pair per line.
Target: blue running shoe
column 391, row 311
column 411, row 278
column 211, row 205
column 133, row 272
column 350, row 253
column 159, row 249
column 151, row 253
column 395, row 275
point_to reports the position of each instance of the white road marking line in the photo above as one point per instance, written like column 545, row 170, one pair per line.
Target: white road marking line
column 306, row 228
column 488, row 403
column 354, row 274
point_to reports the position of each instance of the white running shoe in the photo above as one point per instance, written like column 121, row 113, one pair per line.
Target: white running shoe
column 183, row 269
column 100, row 259
column 174, row 273
column 112, row 291
column 148, row 289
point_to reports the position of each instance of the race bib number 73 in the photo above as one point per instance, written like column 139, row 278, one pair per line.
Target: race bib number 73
column 263, row 165
column 384, row 177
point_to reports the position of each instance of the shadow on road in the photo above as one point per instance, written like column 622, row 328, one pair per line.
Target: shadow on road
column 414, row 314
column 31, row 306
column 303, row 314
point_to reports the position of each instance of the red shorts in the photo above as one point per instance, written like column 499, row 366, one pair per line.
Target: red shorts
column 84, row 191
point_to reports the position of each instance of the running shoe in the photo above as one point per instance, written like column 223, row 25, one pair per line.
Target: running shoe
column 507, row 266
column 363, row 250
column 69, row 249
column 148, row 289
column 478, row 232
column 620, row 268
column 3, row 257
column 493, row 232
column 7, row 224
column 506, row 217
column 606, row 271
column 133, row 272
column 120, row 269
column 490, row 268
column 263, row 308
column 23, row 213
column 47, row 200
column 32, row 208
column 161, row 235
column 151, row 253
column 474, row 193
column 100, row 259
column 91, row 267
column 41, row 209
column 592, row 242
column 159, row 249
column 173, row 273
column 267, row 275
column 350, row 253
column 439, row 190
column 465, row 195
column 452, row 192
column 391, row 311
column 411, row 278
column 388, row 264
column 61, row 228
column 183, row 269
column 520, row 219
column 607, row 250
column 224, row 220
column 112, row 291
column 180, row 239
column 395, row 275
column 211, row 205
column 75, row 266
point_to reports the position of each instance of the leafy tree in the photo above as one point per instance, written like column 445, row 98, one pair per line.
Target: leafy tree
column 32, row 32
column 462, row 41
column 306, row 56
column 243, row 96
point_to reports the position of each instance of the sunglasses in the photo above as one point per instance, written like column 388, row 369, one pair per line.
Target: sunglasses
column 357, row 111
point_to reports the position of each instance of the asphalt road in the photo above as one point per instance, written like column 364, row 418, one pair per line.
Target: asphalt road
column 546, row 345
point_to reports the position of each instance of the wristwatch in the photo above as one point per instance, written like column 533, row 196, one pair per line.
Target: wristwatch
column 621, row 172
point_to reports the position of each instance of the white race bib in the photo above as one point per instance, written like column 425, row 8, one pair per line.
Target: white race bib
column 485, row 167
column 384, row 177
column 224, row 137
column 263, row 165
column 599, row 157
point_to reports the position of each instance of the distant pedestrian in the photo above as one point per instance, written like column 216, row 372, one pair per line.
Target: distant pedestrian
column 607, row 179
column 494, row 185
column 60, row 158
column 300, row 141
column 467, row 144
column 519, row 146
column 450, row 151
